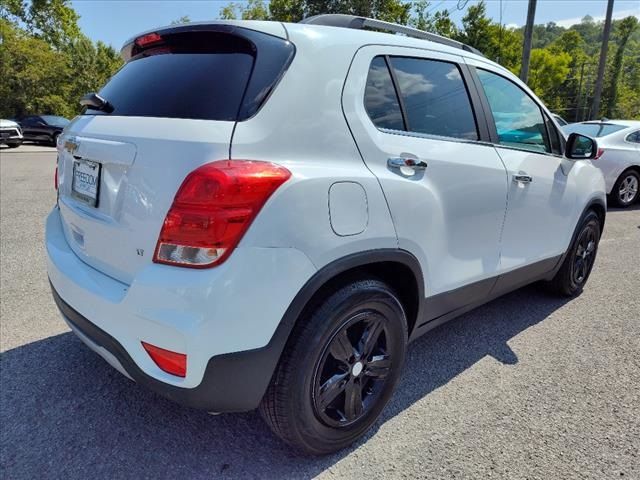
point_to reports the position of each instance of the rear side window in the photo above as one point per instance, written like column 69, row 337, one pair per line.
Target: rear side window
column 198, row 75
column 593, row 129
column 435, row 98
column 380, row 99
column 634, row 137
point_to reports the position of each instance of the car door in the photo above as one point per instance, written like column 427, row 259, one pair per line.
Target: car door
column 541, row 202
column 32, row 127
column 413, row 119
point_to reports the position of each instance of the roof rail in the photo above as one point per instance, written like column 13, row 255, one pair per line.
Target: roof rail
column 360, row 23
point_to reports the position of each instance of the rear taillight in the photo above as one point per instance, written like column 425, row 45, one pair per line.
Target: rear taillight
column 171, row 362
column 213, row 209
column 599, row 154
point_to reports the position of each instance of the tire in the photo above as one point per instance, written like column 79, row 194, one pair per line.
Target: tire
column 626, row 190
column 332, row 383
column 54, row 139
column 14, row 144
column 578, row 262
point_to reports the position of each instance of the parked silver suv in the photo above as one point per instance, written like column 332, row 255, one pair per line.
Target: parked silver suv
column 259, row 214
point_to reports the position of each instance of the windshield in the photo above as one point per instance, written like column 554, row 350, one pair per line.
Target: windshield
column 55, row 120
column 593, row 129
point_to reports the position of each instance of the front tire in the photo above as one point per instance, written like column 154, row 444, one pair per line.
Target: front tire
column 339, row 369
column 626, row 190
column 576, row 267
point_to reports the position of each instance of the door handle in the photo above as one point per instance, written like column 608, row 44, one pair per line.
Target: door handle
column 522, row 178
column 399, row 162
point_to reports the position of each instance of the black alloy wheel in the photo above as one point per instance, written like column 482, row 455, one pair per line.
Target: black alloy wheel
column 352, row 370
column 340, row 367
column 585, row 254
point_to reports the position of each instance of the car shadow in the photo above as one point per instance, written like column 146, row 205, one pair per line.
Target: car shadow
column 66, row 414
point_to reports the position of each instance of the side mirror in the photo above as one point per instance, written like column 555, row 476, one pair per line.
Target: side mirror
column 581, row 147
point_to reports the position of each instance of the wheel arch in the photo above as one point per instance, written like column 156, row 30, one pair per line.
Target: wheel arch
column 398, row 268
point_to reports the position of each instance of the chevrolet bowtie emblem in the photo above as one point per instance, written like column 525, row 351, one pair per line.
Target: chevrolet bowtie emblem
column 71, row 145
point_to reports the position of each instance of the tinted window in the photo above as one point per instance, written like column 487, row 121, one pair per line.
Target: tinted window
column 380, row 99
column 593, row 129
column 198, row 75
column 517, row 117
column 55, row 120
column 634, row 137
column 435, row 98
column 554, row 136
column 30, row 121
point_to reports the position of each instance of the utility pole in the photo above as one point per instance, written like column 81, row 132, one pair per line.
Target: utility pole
column 528, row 35
column 577, row 115
column 603, row 62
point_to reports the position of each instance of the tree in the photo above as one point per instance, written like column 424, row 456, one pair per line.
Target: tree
column 422, row 19
column 547, row 72
column 183, row 19
column 35, row 76
column 624, row 30
column 443, row 25
column 54, row 21
column 476, row 28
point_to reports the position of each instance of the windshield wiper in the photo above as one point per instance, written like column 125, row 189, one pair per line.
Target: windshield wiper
column 96, row 102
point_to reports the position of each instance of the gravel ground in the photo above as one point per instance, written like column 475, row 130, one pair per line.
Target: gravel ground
column 528, row 386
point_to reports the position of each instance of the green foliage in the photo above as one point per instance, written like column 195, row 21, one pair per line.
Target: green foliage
column 623, row 32
column 547, row 72
column 47, row 64
column 182, row 19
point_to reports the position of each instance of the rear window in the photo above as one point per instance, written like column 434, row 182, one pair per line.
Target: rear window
column 198, row 75
column 593, row 129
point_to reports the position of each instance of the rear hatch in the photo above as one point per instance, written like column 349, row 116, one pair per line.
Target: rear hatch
column 171, row 108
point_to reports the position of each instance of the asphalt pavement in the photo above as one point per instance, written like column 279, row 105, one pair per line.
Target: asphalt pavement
column 528, row 386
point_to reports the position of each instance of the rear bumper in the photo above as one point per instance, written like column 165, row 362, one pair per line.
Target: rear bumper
column 227, row 320
column 231, row 383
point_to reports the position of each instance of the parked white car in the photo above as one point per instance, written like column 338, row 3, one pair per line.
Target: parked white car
column 618, row 156
column 10, row 133
column 272, row 228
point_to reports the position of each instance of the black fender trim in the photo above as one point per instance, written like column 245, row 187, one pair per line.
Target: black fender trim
column 236, row 382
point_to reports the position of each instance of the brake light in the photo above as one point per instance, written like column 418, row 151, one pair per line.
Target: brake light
column 212, row 210
column 599, row 154
column 148, row 39
column 168, row 361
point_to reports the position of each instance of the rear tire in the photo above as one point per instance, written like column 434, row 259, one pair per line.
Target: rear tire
column 339, row 369
column 626, row 190
column 578, row 262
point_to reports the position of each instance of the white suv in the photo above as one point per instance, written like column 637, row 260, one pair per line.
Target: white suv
column 259, row 214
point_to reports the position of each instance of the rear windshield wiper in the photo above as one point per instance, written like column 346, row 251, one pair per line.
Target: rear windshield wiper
column 96, row 102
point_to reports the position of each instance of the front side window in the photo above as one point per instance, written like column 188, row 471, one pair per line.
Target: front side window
column 435, row 98
column 517, row 117
column 380, row 99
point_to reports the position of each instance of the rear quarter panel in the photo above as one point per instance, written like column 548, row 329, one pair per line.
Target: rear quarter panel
column 302, row 128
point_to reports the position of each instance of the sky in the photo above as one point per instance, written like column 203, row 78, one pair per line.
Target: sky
column 115, row 21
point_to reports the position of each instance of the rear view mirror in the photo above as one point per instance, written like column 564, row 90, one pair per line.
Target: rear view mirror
column 581, row 147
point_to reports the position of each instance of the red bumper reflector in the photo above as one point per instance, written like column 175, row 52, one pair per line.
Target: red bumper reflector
column 171, row 362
